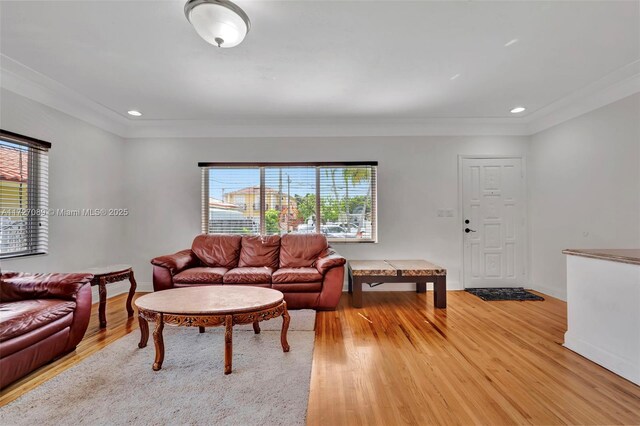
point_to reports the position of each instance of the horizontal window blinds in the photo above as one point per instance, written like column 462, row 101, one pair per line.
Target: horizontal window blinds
column 289, row 199
column 24, row 183
column 233, row 201
column 335, row 199
column 347, row 202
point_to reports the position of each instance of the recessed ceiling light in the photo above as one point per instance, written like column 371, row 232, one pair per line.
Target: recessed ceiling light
column 517, row 110
column 134, row 113
column 510, row 42
column 455, row 76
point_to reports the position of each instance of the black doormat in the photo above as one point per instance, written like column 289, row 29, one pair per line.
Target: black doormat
column 491, row 294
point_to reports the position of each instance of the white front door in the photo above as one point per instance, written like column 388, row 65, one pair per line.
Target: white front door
column 493, row 222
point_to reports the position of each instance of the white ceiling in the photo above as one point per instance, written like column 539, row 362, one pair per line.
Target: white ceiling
column 325, row 60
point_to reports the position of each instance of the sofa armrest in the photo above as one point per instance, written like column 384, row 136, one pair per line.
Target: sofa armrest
column 42, row 286
column 331, row 260
column 81, row 317
column 177, row 262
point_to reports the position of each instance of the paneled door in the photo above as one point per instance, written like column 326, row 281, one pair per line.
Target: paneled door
column 493, row 222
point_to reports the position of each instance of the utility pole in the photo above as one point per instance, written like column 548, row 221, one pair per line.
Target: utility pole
column 280, row 191
column 288, row 201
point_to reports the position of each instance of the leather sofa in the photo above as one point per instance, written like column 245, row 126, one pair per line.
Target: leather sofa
column 42, row 316
column 302, row 266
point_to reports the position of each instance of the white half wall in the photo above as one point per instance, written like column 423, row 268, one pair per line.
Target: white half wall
column 85, row 172
column 416, row 177
column 584, row 186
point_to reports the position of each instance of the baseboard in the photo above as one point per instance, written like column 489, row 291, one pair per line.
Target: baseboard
column 118, row 288
column 608, row 360
column 451, row 285
column 551, row 291
column 147, row 287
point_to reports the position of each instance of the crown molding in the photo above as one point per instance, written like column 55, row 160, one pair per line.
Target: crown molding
column 612, row 87
column 33, row 85
column 326, row 128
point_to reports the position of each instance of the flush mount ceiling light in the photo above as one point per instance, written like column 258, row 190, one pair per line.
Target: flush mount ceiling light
column 219, row 22
column 517, row 110
column 134, row 113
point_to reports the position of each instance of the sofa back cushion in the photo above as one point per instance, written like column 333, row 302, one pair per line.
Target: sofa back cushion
column 217, row 250
column 260, row 251
column 301, row 250
column 23, row 286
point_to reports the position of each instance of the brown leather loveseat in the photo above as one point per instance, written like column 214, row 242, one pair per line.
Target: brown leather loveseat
column 302, row 266
column 42, row 316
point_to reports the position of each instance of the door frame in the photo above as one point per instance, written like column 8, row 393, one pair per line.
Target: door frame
column 527, row 249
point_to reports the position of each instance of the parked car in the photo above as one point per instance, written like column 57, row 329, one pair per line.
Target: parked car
column 337, row 231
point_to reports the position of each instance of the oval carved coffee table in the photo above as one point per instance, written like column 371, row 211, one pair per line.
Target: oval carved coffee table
column 210, row 306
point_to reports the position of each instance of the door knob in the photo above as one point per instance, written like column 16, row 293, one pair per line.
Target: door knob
column 467, row 230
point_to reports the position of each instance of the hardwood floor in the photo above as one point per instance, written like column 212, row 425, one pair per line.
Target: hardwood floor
column 399, row 361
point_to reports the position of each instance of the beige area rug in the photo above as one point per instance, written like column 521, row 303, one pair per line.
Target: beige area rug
column 116, row 386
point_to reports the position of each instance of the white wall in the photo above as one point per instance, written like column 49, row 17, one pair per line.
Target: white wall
column 584, row 186
column 416, row 177
column 85, row 171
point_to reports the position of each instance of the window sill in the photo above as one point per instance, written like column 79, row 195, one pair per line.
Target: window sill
column 354, row 241
column 20, row 255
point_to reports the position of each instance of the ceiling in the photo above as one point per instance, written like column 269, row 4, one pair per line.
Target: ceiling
column 325, row 60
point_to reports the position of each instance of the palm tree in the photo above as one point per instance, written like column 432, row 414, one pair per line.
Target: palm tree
column 355, row 176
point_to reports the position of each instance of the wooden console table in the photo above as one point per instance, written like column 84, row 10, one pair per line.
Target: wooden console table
column 375, row 272
column 112, row 274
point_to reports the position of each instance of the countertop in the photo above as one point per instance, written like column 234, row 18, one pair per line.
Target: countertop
column 631, row 256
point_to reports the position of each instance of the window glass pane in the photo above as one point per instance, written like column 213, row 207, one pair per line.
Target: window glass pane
column 336, row 200
column 14, row 198
column 290, row 200
column 346, row 202
column 234, row 200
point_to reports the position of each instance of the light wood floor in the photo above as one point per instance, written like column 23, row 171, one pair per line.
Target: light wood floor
column 399, row 361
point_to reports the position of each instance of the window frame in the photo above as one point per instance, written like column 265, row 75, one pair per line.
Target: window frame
column 34, row 192
column 261, row 166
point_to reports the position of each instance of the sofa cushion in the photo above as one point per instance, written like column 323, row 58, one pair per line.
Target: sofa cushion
column 301, row 250
column 20, row 317
column 217, row 250
column 248, row 275
column 200, row 275
column 260, row 251
column 35, row 336
column 296, row 275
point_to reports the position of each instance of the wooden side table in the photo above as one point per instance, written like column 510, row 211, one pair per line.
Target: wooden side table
column 375, row 272
column 112, row 274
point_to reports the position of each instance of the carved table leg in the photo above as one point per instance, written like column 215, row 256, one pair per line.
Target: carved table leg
column 285, row 327
column 256, row 327
column 132, row 291
column 144, row 332
column 201, row 329
column 228, row 343
column 102, row 291
column 157, row 339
